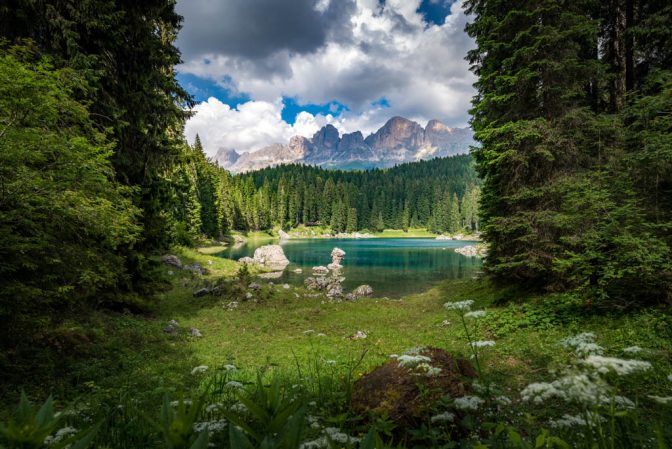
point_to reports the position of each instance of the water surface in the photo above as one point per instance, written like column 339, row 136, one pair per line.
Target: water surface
column 393, row 267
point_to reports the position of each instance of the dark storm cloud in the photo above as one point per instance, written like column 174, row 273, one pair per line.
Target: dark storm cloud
column 257, row 29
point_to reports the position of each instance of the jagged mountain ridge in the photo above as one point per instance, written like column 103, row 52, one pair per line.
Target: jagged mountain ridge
column 399, row 140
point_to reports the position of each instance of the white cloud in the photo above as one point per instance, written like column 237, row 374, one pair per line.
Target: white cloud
column 391, row 53
column 248, row 127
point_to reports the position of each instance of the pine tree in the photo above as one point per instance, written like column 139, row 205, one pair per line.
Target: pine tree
column 351, row 225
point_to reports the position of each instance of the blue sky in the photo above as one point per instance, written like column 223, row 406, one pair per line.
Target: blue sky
column 306, row 63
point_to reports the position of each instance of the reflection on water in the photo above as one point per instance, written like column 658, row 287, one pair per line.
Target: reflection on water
column 393, row 267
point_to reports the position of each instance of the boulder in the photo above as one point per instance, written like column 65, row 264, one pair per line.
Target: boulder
column 335, row 291
column 442, row 237
column 283, row 235
column 362, row 291
column 271, row 256
column 321, row 270
column 337, row 255
column 196, row 268
column 170, row 259
column 472, row 250
column 408, row 393
column 193, row 332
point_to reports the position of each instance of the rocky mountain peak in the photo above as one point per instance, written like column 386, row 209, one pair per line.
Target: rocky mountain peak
column 327, row 137
column 226, row 157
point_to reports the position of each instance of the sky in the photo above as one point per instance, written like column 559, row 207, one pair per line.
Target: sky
column 262, row 71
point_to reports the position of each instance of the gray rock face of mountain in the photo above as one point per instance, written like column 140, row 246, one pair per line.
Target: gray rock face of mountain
column 399, row 140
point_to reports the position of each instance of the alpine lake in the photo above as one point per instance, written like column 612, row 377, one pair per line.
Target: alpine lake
column 393, row 267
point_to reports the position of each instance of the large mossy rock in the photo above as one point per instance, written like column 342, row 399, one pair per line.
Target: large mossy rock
column 406, row 394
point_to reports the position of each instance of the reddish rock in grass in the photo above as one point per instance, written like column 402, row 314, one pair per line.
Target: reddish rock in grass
column 407, row 394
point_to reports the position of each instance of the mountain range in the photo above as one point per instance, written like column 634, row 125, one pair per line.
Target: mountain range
column 399, row 140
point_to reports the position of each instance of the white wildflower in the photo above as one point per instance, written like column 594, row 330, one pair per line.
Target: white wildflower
column 579, row 388
column 468, row 403
column 321, row 335
column 239, row 408
column 185, row 402
column 623, row 402
column 415, row 350
column 199, row 369
column 632, row 349
column 409, row 361
column 622, row 367
column 230, row 367
column 568, row 421
column 60, row 434
column 459, row 305
column 337, row 436
column 213, row 407
column 475, row 314
column 443, row 417
column 503, row 400
column 583, row 344
column 330, row 362
column 482, row 344
column 669, row 377
column 308, row 332
column 318, row 443
column 539, row 392
column 211, row 426
column 233, row 384
column 661, row 400
column 433, row 371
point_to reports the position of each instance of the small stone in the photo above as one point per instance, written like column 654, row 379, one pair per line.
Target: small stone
column 298, row 270
column 201, row 292
column 359, row 335
column 171, row 259
column 320, row 270
column 254, row 286
column 362, row 291
column 170, row 272
column 193, row 332
column 285, row 286
column 170, row 329
column 248, row 295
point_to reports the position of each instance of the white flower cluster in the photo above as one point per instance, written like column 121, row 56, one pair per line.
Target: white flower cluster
column 210, row 426
column 238, row 408
column 475, row 314
column 583, row 344
column 210, row 408
column 443, row 417
column 60, row 434
column 579, row 388
column 199, row 369
column 332, row 434
column 622, row 367
column 186, row 402
column 233, row 384
column 669, row 377
column 632, row 350
column 470, row 403
column 482, row 344
column 459, row 305
column 410, row 361
column 568, row 421
column 230, row 367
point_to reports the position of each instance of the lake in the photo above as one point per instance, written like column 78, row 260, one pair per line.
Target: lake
column 393, row 267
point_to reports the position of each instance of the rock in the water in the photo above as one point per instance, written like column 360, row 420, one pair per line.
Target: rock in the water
column 297, row 270
column 442, row 237
column 170, row 259
column 337, row 255
column 320, row 270
column 472, row 251
column 193, row 332
column 408, row 392
column 362, row 291
column 271, row 256
column 271, row 275
column 283, row 235
column 246, row 260
column 201, row 292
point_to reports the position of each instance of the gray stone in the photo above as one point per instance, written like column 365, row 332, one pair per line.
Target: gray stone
column 254, row 286
column 193, row 332
column 201, row 292
column 246, row 260
column 271, row 275
column 196, row 268
column 362, row 291
column 170, row 329
column 320, row 270
column 170, row 259
column 271, row 256
column 283, row 235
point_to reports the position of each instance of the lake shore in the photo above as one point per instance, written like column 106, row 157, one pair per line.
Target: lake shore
column 323, row 233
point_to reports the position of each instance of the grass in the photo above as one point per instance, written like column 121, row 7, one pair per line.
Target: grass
column 117, row 354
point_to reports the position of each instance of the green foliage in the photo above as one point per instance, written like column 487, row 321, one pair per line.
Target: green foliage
column 575, row 149
column 63, row 218
column 176, row 425
column 32, row 429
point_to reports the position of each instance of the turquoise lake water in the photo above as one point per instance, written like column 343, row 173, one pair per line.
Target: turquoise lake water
column 393, row 267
